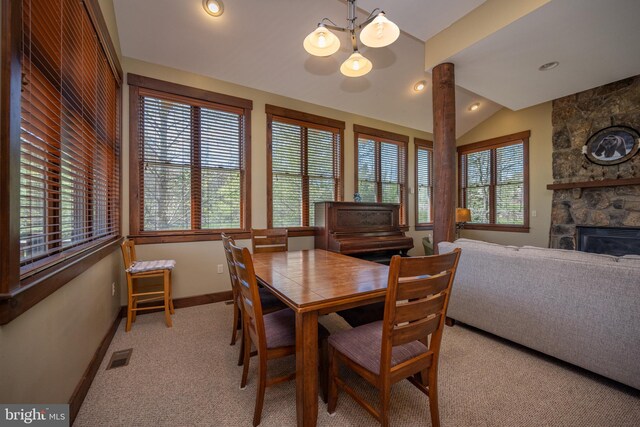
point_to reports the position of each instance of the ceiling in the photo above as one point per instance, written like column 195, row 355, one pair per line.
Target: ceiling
column 258, row 44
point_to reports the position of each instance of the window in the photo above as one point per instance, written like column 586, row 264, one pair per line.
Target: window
column 494, row 183
column 424, row 183
column 304, row 166
column 60, row 150
column 381, row 167
column 190, row 162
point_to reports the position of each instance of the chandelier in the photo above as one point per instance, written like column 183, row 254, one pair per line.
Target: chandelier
column 375, row 31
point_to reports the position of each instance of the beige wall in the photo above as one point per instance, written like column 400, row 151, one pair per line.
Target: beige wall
column 504, row 122
column 45, row 351
column 196, row 272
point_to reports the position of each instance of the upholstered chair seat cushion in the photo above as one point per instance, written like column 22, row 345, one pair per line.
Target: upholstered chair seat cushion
column 280, row 328
column 363, row 345
column 142, row 266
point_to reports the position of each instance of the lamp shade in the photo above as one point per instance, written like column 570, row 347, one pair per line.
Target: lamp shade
column 380, row 32
column 356, row 65
column 463, row 215
column 321, row 42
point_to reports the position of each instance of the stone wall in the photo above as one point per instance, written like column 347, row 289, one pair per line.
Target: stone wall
column 575, row 118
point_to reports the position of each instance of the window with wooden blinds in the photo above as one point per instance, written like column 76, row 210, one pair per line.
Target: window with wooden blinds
column 494, row 182
column 191, row 162
column 69, row 159
column 304, row 166
column 61, row 161
column 424, row 183
column 381, row 167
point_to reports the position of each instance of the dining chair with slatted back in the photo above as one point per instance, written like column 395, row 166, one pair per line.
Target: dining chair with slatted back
column 269, row 302
column 273, row 334
column 269, row 240
column 233, row 277
column 406, row 343
column 144, row 293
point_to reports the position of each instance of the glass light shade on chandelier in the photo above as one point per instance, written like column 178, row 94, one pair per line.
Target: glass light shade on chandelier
column 321, row 42
column 380, row 32
column 356, row 65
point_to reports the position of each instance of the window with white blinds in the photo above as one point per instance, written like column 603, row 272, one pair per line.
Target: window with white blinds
column 191, row 166
column 69, row 139
column 424, row 182
column 381, row 168
column 494, row 181
column 305, row 166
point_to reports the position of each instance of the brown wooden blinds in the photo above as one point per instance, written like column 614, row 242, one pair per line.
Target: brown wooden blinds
column 304, row 166
column 190, row 164
column 381, row 167
column 424, row 182
column 69, row 153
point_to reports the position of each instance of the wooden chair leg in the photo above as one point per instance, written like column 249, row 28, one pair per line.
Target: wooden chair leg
column 246, row 350
column 167, row 308
column 333, row 386
column 324, row 370
column 385, row 395
column 262, row 384
column 234, row 330
column 134, row 314
column 171, row 308
column 242, row 346
column 129, row 305
column 433, row 398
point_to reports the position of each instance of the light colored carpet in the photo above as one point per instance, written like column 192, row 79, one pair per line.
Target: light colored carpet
column 187, row 375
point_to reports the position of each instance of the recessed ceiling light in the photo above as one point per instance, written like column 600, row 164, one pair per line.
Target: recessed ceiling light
column 548, row 66
column 213, row 7
column 420, row 86
column 474, row 106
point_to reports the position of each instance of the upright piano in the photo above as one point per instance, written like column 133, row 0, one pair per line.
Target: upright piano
column 366, row 230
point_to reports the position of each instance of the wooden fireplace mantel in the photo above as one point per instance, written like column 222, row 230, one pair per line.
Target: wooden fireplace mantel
column 595, row 184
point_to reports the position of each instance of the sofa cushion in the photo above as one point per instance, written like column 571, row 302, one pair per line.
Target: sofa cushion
column 568, row 255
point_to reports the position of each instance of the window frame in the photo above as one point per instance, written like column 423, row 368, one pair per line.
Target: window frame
column 402, row 141
column 423, row 144
column 140, row 85
column 19, row 292
column 491, row 145
column 305, row 120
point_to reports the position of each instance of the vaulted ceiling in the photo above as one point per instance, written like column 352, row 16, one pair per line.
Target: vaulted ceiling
column 258, row 44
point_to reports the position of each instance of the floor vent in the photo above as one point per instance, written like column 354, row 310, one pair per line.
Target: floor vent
column 229, row 302
column 120, row 358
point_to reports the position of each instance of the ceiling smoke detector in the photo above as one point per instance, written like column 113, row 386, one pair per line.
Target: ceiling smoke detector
column 548, row 66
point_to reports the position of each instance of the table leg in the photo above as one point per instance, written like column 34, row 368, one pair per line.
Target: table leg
column 307, row 368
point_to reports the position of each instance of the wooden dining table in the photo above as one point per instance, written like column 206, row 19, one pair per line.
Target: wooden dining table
column 312, row 283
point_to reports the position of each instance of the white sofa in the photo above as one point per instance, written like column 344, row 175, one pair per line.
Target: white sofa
column 579, row 307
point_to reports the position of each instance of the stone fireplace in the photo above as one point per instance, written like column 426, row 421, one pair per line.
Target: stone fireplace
column 586, row 194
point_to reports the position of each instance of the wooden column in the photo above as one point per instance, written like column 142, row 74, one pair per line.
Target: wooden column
column 444, row 153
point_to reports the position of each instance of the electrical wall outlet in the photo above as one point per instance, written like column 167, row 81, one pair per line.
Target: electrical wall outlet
column 113, row 289
column 534, row 213
column 220, row 270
